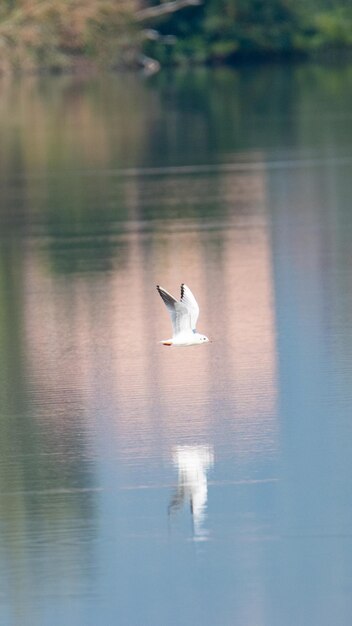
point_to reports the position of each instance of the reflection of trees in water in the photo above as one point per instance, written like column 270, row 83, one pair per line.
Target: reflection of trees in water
column 41, row 464
column 67, row 142
column 211, row 225
column 129, row 226
column 20, row 412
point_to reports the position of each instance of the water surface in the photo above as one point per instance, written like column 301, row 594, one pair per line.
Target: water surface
column 146, row 485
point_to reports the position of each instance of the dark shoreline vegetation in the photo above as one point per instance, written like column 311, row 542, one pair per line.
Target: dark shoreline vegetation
column 83, row 35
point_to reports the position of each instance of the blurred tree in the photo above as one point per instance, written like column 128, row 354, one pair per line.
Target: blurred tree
column 227, row 30
column 58, row 34
column 66, row 34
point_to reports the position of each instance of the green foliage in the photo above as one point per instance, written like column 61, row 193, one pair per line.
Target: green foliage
column 333, row 28
column 227, row 30
column 63, row 34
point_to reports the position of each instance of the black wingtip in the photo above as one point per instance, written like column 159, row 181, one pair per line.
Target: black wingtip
column 182, row 290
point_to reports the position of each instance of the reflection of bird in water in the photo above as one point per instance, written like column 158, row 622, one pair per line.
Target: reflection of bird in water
column 192, row 462
column 184, row 314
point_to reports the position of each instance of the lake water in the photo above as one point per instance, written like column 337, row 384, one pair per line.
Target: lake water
column 142, row 485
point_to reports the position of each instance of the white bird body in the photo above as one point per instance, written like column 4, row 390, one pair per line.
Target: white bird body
column 184, row 315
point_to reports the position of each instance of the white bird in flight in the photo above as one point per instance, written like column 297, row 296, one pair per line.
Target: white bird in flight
column 184, row 314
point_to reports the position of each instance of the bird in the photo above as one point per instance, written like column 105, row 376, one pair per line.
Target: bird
column 184, row 314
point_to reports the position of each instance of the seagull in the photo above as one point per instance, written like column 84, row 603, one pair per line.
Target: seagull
column 184, row 314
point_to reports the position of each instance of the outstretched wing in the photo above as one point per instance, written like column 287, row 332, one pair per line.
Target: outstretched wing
column 179, row 312
column 188, row 299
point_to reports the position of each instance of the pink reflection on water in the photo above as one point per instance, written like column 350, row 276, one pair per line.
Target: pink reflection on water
column 92, row 339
